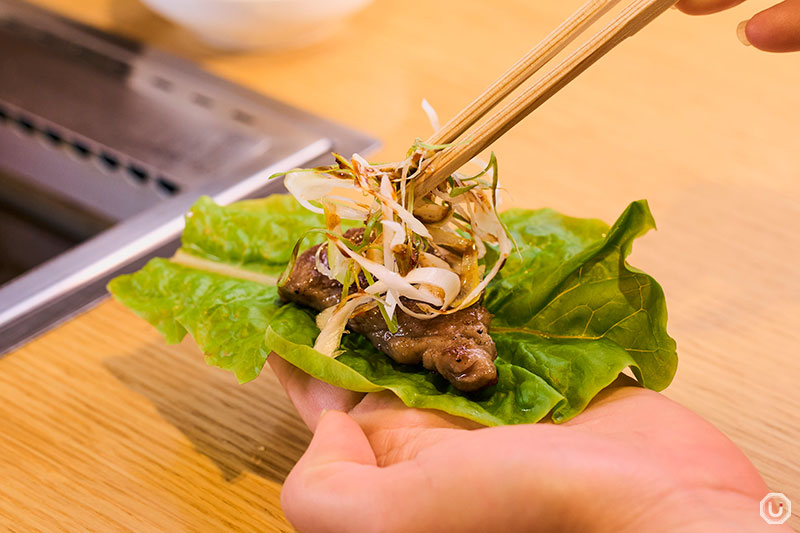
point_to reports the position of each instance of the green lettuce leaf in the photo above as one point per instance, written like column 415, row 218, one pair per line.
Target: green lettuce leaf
column 569, row 313
column 227, row 317
column 256, row 235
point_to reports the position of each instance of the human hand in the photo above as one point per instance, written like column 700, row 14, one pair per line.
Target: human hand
column 633, row 460
column 776, row 29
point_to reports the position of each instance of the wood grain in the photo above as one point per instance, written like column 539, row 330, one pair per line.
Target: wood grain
column 105, row 428
column 102, row 432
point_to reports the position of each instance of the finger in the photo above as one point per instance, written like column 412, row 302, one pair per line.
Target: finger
column 337, row 485
column 385, row 411
column 397, row 433
column 309, row 395
column 328, row 488
column 776, row 29
column 704, row 7
column 338, row 439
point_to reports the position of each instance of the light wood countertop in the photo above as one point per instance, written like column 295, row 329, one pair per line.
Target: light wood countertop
column 103, row 427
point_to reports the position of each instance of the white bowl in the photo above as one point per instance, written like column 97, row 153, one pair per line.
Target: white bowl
column 252, row 24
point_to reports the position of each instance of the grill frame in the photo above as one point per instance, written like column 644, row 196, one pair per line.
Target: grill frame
column 146, row 199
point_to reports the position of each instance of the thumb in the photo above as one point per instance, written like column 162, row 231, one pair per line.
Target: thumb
column 337, row 439
column 327, row 487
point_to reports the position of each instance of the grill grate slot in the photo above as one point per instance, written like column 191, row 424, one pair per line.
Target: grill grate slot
column 53, row 136
column 25, row 124
column 167, row 187
column 138, row 173
column 110, row 162
column 84, row 149
column 202, row 100
column 81, row 149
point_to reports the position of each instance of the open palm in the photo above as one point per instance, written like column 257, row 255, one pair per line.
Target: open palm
column 634, row 460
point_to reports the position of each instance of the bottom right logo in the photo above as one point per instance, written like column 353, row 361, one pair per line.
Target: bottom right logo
column 776, row 508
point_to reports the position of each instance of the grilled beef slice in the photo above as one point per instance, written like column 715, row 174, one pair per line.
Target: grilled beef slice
column 458, row 345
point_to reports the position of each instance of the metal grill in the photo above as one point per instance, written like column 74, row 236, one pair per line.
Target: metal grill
column 107, row 143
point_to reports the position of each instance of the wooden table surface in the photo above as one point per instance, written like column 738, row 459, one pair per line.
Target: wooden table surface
column 105, row 428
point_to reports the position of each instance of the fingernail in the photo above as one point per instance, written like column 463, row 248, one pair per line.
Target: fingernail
column 741, row 32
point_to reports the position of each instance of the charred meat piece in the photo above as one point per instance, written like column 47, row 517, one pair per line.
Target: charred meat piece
column 458, row 345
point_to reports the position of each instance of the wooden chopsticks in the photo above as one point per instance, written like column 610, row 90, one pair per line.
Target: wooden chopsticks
column 523, row 69
column 630, row 20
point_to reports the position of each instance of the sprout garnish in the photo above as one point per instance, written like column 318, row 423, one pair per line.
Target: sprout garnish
column 421, row 255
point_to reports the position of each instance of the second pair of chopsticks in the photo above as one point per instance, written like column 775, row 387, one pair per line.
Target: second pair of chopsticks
column 630, row 20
